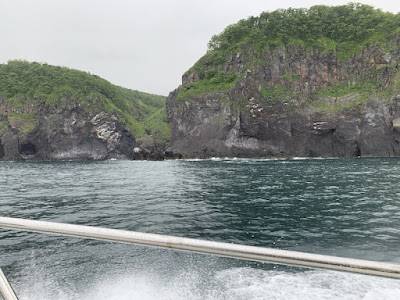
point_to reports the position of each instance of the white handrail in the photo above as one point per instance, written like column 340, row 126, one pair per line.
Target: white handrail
column 200, row 246
column 6, row 290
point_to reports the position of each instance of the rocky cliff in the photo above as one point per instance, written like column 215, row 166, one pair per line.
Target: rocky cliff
column 53, row 113
column 65, row 135
column 290, row 100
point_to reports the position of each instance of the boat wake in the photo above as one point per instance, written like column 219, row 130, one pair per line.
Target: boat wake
column 233, row 284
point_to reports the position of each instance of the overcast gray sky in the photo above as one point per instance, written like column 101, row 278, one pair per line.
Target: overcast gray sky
column 143, row 45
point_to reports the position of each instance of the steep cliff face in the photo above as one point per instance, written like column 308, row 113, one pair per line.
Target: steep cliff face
column 64, row 135
column 53, row 113
column 292, row 101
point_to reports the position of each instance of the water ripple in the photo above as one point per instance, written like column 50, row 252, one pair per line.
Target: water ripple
column 338, row 207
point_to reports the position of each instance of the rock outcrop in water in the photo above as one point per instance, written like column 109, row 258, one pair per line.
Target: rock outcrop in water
column 56, row 113
column 288, row 101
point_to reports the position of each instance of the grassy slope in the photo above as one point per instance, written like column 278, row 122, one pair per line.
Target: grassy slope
column 24, row 84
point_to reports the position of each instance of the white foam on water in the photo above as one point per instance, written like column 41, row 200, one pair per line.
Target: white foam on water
column 145, row 287
column 230, row 284
column 257, row 284
column 216, row 158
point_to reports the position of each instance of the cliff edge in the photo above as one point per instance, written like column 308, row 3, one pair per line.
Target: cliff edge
column 55, row 113
column 294, row 83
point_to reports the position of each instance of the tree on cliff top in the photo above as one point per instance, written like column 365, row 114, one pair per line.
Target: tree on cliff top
column 347, row 27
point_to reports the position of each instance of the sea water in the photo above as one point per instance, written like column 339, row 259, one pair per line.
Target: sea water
column 341, row 207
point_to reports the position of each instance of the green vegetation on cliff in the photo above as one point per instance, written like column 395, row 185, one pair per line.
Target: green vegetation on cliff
column 212, row 82
column 3, row 127
column 29, row 87
column 255, row 44
column 346, row 28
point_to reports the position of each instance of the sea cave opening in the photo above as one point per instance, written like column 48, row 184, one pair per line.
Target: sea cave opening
column 2, row 153
column 27, row 149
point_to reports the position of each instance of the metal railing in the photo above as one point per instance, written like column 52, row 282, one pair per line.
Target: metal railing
column 6, row 290
column 294, row 258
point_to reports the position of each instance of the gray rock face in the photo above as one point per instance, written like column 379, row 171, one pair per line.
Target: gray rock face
column 68, row 135
column 293, row 126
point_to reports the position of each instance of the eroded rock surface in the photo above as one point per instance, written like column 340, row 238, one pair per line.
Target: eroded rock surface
column 67, row 135
column 244, row 122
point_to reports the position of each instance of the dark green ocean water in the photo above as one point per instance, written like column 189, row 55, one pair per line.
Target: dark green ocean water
column 348, row 207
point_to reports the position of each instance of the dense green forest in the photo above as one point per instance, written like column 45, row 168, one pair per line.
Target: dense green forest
column 23, row 83
column 346, row 27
